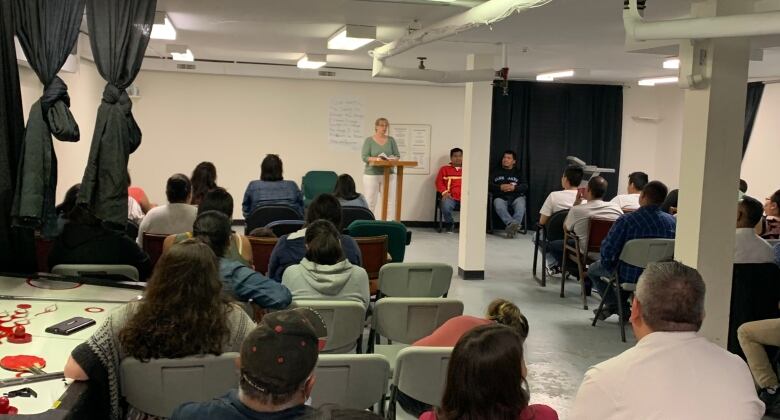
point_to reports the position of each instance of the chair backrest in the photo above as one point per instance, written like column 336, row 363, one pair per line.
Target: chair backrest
column 597, row 231
column 284, row 227
column 351, row 213
column 554, row 226
column 261, row 252
column 406, row 320
column 96, row 270
column 344, row 321
column 373, row 250
column 415, row 279
column 266, row 214
column 395, row 231
column 755, row 291
column 421, row 373
column 354, row 381
column 641, row 252
column 158, row 386
column 153, row 245
column 315, row 183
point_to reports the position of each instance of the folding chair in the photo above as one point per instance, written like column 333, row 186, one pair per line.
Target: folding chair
column 261, row 252
column 438, row 219
column 351, row 213
column 285, row 227
column 491, row 219
column 158, row 386
column 597, row 231
column 397, row 235
column 415, row 280
column 315, row 183
column 263, row 215
column 421, row 373
column 351, row 380
column 545, row 234
column 129, row 272
column 406, row 320
column 153, row 246
column 343, row 320
column 373, row 251
column 639, row 253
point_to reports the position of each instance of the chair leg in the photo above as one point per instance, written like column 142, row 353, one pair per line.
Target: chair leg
column 371, row 334
column 564, row 273
column 620, row 312
column 525, row 223
column 390, row 415
column 601, row 305
column 536, row 249
column 359, row 347
column 580, row 268
column 544, row 263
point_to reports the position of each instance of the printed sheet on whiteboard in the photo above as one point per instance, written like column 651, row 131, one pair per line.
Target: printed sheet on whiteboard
column 414, row 143
column 345, row 123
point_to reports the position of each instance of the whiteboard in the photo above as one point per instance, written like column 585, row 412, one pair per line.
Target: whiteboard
column 414, row 143
column 345, row 123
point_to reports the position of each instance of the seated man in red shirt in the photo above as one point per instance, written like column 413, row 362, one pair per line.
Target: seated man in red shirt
column 448, row 183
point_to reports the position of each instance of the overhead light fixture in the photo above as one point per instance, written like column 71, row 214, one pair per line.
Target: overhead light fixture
column 549, row 77
column 352, row 37
column 180, row 52
column 658, row 81
column 672, row 63
column 312, row 61
column 162, row 27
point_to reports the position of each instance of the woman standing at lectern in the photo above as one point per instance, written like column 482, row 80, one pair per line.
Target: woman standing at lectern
column 378, row 144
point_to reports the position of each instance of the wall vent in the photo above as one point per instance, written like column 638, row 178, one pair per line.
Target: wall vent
column 185, row 67
column 324, row 73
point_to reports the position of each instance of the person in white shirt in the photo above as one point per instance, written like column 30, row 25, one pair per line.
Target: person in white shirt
column 562, row 200
column 672, row 373
column 749, row 248
column 175, row 217
column 630, row 201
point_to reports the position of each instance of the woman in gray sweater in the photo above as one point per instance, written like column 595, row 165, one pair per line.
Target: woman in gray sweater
column 324, row 273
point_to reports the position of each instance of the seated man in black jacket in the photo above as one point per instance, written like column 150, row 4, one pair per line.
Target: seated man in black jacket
column 85, row 241
column 509, row 188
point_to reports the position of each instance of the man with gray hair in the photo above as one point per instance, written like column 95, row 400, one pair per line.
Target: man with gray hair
column 671, row 373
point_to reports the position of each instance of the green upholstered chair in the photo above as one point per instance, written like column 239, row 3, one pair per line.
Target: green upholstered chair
column 397, row 235
column 315, row 183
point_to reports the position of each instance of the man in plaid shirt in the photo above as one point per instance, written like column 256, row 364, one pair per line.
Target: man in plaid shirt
column 647, row 222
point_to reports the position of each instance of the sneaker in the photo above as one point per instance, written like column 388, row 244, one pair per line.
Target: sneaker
column 771, row 398
column 511, row 230
column 553, row 270
column 450, row 228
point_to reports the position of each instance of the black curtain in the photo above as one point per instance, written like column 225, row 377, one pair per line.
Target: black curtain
column 47, row 31
column 11, row 134
column 754, row 93
column 118, row 33
column 545, row 122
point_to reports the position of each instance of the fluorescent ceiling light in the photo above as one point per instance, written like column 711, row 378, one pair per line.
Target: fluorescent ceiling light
column 672, row 63
column 658, row 81
column 549, row 77
column 162, row 28
column 185, row 56
column 312, row 61
column 352, row 37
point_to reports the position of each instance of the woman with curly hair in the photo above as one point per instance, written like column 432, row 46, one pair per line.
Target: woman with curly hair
column 183, row 313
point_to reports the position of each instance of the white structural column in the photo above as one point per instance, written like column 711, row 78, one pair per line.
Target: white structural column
column 711, row 154
column 476, row 156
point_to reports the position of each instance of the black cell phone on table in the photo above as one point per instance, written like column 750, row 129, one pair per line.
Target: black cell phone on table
column 70, row 326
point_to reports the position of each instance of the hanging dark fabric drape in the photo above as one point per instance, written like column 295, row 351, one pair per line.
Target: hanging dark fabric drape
column 47, row 31
column 545, row 122
column 118, row 32
column 13, row 257
column 754, row 93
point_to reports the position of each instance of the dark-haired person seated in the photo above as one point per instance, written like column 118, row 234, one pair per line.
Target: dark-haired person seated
column 647, row 222
column 564, row 199
column 486, row 379
column 176, row 216
column 277, row 372
column 324, row 272
column 157, row 327
column 271, row 188
column 68, row 203
column 770, row 228
column 204, row 179
column 672, row 372
column 292, row 248
column 84, row 240
column 630, row 201
column 220, row 200
column 509, row 187
column 347, row 194
column 749, row 248
column 213, row 228
column 448, row 183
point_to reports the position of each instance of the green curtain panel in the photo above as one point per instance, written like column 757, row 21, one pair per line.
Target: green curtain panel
column 47, row 31
column 118, row 33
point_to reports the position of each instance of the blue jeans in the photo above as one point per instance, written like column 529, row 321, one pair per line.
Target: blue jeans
column 518, row 210
column 448, row 205
column 595, row 272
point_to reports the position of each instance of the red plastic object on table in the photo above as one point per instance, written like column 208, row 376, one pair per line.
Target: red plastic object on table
column 19, row 336
column 6, row 407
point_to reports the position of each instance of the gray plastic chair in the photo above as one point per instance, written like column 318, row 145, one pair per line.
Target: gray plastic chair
column 415, row 279
column 639, row 253
column 86, row 270
column 351, row 380
column 421, row 373
column 159, row 386
column 343, row 320
column 406, row 320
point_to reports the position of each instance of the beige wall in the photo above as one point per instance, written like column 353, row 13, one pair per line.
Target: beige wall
column 234, row 121
column 759, row 167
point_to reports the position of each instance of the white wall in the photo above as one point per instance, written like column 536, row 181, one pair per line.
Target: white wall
column 759, row 167
column 235, row 121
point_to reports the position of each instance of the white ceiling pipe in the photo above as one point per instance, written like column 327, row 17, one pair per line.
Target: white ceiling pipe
column 746, row 25
column 434, row 76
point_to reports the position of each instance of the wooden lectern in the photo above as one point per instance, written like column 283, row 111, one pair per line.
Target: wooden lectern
column 399, row 183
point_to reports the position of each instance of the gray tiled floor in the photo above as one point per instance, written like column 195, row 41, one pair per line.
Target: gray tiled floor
column 561, row 344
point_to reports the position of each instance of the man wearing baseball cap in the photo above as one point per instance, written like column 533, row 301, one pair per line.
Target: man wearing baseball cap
column 277, row 371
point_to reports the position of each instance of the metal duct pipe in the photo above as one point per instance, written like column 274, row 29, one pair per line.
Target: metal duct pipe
column 435, row 76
